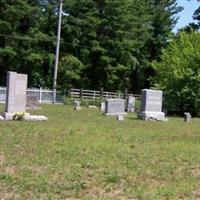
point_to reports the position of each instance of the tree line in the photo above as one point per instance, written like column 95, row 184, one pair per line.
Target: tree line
column 104, row 43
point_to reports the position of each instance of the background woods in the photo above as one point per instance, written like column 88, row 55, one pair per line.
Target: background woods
column 104, row 43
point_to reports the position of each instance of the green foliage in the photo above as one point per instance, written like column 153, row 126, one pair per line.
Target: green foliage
column 70, row 69
column 178, row 74
column 104, row 43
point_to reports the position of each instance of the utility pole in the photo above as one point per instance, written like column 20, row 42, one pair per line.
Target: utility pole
column 57, row 52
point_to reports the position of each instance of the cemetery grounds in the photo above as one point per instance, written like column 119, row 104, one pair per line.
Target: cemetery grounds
column 85, row 155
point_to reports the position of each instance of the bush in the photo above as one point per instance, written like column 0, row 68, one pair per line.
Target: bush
column 178, row 74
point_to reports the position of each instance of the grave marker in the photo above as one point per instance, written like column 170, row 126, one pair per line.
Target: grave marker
column 15, row 94
column 151, row 106
column 131, row 104
column 187, row 117
column 115, row 107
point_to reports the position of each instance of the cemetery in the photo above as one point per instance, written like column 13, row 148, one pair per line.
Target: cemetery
column 100, row 100
column 89, row 154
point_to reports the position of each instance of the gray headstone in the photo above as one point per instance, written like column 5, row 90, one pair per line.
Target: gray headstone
column 32, row 103
column 187, row 117
column 15, row 94
column 131, row 104
column 151, row 106
column 102, row 107
column 115, row 107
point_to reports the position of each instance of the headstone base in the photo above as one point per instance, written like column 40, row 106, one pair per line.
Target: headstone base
column 9, row 116
column 153, row 116
column 131, row 110
column 1, row 118
column 115, row 114
column 35, row 118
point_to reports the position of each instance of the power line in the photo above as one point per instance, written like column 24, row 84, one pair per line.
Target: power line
column 46, row 40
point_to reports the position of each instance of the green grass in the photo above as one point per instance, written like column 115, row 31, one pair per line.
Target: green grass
column 85, row 155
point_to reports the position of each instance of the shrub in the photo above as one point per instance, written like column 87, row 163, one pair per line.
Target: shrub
column 178, row 74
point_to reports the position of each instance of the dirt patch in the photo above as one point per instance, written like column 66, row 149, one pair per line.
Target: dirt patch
column 196, row 173
column 11, row 170
column 115, row 194
column 8, row 194
column 2, row 159
column 39, row 169
column 196, row 194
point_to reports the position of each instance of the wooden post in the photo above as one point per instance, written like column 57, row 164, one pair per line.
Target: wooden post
column 101, row 93
column 69, row 93
column 40, row 97
column 81, row 93
column 125, row 93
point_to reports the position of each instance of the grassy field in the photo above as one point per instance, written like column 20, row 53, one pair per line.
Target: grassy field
column 85, row 155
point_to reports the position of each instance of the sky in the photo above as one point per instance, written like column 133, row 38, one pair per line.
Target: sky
column 187, row 13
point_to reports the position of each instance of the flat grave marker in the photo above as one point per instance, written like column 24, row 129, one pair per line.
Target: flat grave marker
column 114, row 107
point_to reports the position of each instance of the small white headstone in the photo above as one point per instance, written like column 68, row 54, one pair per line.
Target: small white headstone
column 120, row 117
column 77, row 105
column 102, row 107
column 187, row 117
column 131, row 104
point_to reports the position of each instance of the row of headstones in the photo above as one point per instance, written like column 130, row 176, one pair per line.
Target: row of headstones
column 151, row 102
column 16, row 99
column 151, row 107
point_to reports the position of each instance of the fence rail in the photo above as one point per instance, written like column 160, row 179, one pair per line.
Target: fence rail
column 46, row 95
column 92, row 94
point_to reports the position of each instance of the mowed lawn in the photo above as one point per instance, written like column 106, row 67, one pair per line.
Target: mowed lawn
column 85, row 155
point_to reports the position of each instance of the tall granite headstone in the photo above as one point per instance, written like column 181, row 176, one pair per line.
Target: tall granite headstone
column 15, row 94
column 115, row 107
column 151, row 105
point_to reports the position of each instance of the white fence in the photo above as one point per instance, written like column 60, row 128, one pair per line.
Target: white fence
column 43, row 95
column 46, row 95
